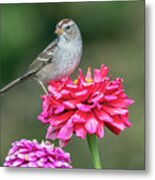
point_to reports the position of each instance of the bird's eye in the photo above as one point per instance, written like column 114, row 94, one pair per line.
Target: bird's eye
column 68, row 27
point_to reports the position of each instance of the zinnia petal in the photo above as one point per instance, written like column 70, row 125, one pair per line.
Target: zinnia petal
column 103, row 116
column 91, row 123
column 80, row 131
column 66, row 131
column 83, row 107
column 114, row 111
column 100, row 130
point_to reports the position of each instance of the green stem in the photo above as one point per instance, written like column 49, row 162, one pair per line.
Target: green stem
column 93, row 146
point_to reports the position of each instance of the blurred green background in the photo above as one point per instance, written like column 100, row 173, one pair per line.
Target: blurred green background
column 113, row 34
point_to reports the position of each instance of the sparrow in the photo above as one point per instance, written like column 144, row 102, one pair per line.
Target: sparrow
column 59, row 59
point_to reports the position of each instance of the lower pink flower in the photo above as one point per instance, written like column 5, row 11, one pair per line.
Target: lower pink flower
column 26, row 153
column 85, row 106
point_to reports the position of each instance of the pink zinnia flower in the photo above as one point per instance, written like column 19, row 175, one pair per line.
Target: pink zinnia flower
column 84, row 106
column 26, row 153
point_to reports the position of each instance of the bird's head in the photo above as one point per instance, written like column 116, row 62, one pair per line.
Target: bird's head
column 68, row 29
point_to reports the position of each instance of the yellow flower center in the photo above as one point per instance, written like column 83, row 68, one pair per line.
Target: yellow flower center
column 89, row 80
column 75, row 81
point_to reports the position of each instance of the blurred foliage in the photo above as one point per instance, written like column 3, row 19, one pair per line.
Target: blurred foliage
column 113, row 34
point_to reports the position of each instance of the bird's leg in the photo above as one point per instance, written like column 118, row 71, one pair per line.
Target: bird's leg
column 43, row 87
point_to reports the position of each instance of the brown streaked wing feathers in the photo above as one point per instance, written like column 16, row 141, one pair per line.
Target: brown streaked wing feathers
column 43, row 58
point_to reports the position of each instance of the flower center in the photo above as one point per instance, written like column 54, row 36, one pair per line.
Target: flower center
column 89, row 80
column 75, row 81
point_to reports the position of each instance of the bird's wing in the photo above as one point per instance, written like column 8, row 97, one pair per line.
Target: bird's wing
column 44, row 58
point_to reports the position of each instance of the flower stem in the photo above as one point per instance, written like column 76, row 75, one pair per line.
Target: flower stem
column 93, row 146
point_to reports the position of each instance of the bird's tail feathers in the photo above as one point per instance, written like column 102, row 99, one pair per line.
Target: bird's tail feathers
column 15, row 82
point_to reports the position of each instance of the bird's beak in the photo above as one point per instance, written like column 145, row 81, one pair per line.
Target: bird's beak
column 59, row 31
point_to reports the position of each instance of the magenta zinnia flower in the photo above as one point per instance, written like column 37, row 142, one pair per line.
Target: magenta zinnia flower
column 84, row 106
column 26, row 153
